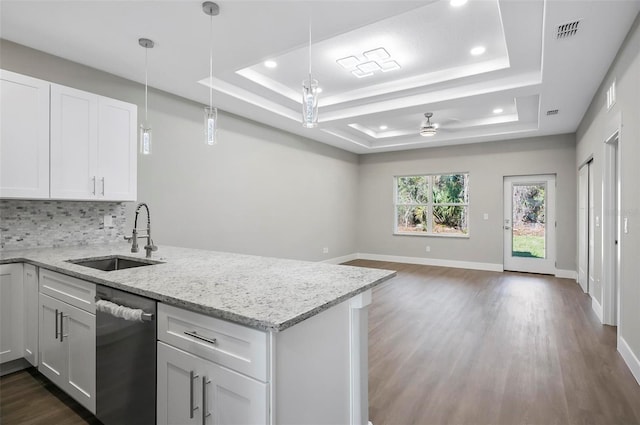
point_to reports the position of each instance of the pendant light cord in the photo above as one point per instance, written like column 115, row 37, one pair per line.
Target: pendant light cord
column 309, row 48
column 211, row 62
column 146, row 83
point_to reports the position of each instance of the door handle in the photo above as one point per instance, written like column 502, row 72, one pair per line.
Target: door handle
column 57, row 323
column 62, row 335
column 507, row 228
column 205, row 413
column 192, row 377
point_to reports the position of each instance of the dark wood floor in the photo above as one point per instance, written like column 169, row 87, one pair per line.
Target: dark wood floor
column 452, row 346
column 28, row 398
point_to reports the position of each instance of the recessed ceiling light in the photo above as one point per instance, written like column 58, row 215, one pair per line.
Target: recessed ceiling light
column 478, row 50
column 498, row 111
column 349, row 62
column 457, row 3
column 270, row 64
column 383, row 127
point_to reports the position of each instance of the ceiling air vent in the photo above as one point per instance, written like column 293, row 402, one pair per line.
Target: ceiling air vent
column 552, row 112
column 567, row 30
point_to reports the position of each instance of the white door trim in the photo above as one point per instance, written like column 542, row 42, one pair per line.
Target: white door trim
column 544, row 266
column 611, row 229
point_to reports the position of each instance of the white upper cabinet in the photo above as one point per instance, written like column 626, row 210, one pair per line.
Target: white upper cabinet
column 93, row 146
column 117, row 154
column 74, row 143
column 24, row 136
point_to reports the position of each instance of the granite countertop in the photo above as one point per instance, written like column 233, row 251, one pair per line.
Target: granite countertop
column 261, row 292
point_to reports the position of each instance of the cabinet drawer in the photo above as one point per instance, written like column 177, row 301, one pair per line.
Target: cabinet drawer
column 77, row 292
column 237, row 347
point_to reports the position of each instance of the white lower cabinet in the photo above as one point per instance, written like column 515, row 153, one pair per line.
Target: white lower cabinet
column 30, row 293
column 192, row 390
column 11, row 314
column 67, row 344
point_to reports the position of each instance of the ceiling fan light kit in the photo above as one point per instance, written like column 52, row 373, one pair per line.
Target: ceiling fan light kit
column 428, row 129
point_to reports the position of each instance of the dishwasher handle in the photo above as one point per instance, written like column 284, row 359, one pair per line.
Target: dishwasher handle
column 146, row 317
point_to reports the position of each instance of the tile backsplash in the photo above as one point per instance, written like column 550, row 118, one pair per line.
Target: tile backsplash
column 35, row 224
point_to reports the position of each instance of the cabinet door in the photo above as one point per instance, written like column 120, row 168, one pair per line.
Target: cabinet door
column 179, row 387
column 24, row 137
column 11, row 315
column 74, row 140
column 53, row 356
column 30, row 308
column 117, row 154
column 79, row 335
column 233, row 398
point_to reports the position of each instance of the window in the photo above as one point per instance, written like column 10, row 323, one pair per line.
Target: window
column 432, row 204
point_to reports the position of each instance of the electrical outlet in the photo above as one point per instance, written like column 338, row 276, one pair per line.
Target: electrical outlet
column 486, row 216
column 107, row 221
column 428, row 248
column 325, row 250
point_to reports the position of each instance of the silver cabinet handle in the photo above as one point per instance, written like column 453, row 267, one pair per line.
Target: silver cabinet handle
column 205, row 412
column 192, row 377
column 62, row 335
column 94, row 184
column 57, row 324
column 200, row 337
column 103, row 186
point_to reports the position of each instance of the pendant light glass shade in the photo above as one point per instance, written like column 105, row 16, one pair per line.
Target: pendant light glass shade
column 210, row 126
column 310, row 103
column 310, row 95
column 210, row 113
column 145, row 128
column 145, row 139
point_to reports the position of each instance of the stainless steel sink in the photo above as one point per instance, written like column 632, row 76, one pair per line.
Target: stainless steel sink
column 113, row 262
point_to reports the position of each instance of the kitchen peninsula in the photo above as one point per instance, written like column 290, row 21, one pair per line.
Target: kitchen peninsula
column 292, row 333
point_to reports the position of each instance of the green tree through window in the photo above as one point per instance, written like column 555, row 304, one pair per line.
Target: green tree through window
column 432, row 204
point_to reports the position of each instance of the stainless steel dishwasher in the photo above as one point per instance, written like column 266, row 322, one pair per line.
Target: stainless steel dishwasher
column 125, row 358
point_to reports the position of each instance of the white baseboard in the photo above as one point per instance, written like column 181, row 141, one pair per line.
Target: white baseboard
column 597, row 308
column 567, row 274
column 629, row 358
column 432, row 262
column 340, row 260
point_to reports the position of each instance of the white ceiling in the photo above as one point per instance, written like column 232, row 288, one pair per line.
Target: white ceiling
column 524, row 71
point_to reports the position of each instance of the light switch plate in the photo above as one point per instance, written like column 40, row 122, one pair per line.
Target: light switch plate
column 108, row 221
column 486, row 216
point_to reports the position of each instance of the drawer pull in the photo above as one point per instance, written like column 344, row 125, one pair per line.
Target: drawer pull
column 202, row 338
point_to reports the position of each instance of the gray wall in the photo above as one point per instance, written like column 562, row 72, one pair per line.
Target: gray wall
column 260, row 191
column 487, row 164
column 593, row 131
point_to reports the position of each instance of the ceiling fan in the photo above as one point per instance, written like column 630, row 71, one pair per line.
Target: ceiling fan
column 427, row 129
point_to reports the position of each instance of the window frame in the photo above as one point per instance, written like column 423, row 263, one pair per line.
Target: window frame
column 429, row 206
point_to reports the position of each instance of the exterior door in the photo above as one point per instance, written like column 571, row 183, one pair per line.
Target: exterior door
column 530, row 224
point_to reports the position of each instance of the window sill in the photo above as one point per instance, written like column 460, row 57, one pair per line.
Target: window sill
column 432, row 235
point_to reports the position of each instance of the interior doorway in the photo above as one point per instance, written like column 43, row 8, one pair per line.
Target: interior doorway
column 530, row 224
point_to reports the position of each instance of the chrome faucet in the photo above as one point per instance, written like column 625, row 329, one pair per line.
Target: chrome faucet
column 149, row 247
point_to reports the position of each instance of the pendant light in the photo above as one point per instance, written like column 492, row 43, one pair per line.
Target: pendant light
column 210, row 113
column 310, row 95
column 145, row 128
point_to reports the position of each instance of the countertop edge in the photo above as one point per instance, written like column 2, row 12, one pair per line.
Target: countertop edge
column 213, row 312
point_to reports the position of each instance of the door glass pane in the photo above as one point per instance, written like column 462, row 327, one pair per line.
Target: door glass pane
column 528, row 220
